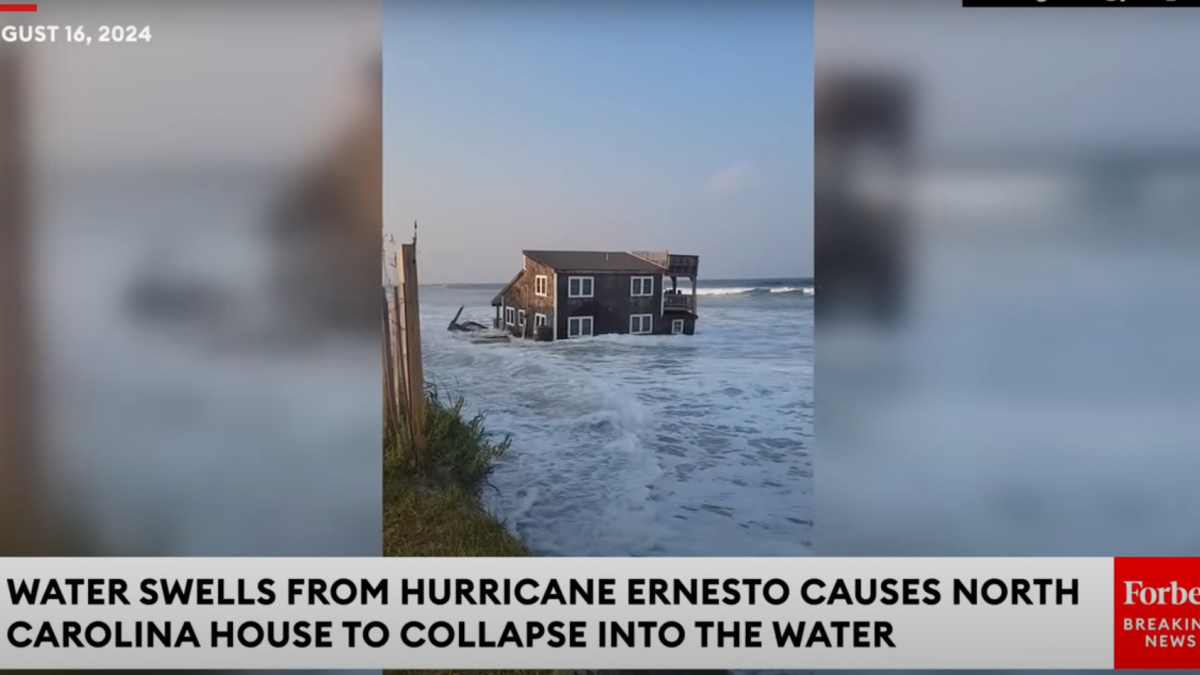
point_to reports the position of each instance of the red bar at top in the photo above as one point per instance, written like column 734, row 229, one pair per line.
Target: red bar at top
column 28, row 7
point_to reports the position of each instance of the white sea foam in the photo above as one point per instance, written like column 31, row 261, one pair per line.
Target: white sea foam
column 723, row 291
column 805, row 290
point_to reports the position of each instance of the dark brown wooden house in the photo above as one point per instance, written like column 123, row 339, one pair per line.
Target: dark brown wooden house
column 570, row 294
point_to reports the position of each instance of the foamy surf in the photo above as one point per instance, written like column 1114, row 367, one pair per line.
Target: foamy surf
column 725, row 291
column 646, row 445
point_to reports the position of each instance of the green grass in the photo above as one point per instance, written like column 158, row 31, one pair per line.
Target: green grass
column 437, row 511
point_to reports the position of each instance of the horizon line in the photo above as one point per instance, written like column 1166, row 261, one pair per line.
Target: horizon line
column 809, row 279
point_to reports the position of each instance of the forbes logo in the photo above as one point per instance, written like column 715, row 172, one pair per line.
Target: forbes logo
column 1137, row 593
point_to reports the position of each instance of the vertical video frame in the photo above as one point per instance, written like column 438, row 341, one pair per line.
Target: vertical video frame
column 598, row 279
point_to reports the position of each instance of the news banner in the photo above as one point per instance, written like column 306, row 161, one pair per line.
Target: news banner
column 599, row 613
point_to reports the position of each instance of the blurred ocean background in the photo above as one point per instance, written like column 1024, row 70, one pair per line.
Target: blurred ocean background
column 647, row 445
column 187, row 413
column 1041, row 391
column 1038, row 397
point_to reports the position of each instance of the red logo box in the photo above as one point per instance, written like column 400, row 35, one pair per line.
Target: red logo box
column 1157, row 613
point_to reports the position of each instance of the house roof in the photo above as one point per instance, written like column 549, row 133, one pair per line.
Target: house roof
column 593, row 261
column 499, row 299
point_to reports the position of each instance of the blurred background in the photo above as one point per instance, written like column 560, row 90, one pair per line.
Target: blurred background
column 184, row 369
column 1009, row 267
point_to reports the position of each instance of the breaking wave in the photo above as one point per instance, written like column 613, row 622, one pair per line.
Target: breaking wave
column 755, row 290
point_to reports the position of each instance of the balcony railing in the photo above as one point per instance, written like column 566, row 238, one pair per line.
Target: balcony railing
column 683, row 265
column 679, row 302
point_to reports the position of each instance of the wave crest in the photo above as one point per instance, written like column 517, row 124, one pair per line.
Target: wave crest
column 755, row 290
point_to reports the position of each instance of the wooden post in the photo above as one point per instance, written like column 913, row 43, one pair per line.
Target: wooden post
column 399, row 360
column 19, row 515
column 406, row 263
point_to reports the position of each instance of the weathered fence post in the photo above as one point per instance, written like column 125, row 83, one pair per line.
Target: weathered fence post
column 19, row 515
column 411, row 335
column 399, row 367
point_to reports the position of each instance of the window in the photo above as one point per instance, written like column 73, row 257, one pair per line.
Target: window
column 676, row 326
column 510, row 315
column 641, row 324
column 641, row 287
column 579, row 287
column 521, row 318
column 579, row 326
column 539, row 320
column 541, row 284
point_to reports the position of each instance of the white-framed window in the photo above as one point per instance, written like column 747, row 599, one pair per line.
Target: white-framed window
column 641, row 324
column 521, row 318
column 510, row 315
column 641, row 287
column 541, row 285
column 676, row 326
column 579, row 326
column 539, row 320
column 580, row 287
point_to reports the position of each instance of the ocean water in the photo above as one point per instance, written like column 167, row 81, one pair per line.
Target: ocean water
column 647, row 445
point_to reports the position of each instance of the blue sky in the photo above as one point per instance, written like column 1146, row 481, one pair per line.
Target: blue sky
column 614, row 126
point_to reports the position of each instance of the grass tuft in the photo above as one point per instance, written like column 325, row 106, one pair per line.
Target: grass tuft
column 437, row 512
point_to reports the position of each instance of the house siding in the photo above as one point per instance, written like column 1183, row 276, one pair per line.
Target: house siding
column 611, row 303
column 689, row 323
column 523, row 296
